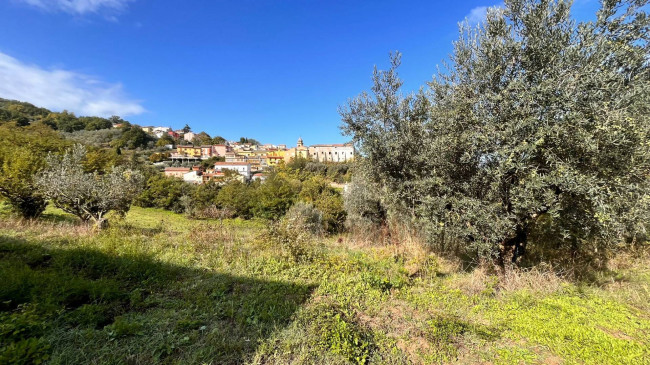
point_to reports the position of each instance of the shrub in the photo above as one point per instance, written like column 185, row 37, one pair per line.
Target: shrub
column 236, row 197
column 362, row 204
column 22, row 154
column 274, row 197
column 163, row 192
column 303, row 217
column 327, row 200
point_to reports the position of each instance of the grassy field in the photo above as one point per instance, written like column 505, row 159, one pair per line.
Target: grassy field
column 159, row 288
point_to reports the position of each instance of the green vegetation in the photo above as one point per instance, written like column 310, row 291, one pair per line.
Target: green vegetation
column 231, row 198
column 538, row 128
column 532, row 148
column 22, row 154
column 157, row 287
column 87, row 195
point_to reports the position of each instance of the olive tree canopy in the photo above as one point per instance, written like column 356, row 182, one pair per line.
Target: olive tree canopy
column 538, row 120
column 89, row 196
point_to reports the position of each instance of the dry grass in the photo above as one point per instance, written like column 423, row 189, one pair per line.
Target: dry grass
column 540, row 279
column 47, row 229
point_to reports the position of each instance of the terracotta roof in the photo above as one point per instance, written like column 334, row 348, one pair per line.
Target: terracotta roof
column 231, row 163
column 177, row 169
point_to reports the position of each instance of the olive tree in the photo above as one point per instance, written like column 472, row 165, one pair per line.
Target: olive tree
column 89, row 196
column 538, row 120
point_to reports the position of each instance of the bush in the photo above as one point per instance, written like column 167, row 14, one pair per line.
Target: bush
column 22, row 155
column 274, row 197
column 163, row 192
column 303, row 217
column 317, row 191
column 363, row 205
column 236, row 197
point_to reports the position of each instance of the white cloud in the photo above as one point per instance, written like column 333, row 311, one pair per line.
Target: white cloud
column 478, row 14
column 58, row 89
column 80, row 7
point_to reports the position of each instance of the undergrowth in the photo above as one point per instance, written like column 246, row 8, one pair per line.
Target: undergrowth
column 159, row 288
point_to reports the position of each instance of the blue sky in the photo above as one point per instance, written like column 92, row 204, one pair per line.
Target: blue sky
column 271, row 70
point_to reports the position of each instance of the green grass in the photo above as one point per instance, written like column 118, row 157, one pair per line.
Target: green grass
column 158, row 288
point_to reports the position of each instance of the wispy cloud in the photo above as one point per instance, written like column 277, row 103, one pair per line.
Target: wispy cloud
column 478, row 14
column 59, row 89
column 80, row 7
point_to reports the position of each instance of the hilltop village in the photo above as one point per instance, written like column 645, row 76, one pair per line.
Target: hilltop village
column 249, row 160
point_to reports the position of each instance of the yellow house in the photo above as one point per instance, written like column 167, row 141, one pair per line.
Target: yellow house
column 189, row 151
column 276, row 153
column 273, row 160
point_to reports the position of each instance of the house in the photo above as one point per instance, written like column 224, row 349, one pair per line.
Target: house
column 234, row 157
column 189, row 136
column 206, row 152
column 219, row 150
column 210, row 176
column 243, row 168
column 193, row 177
column 331, row 152
column 273, row 160
column 190, row 151
column 160, row 131
column 174, row 135
column 176, row 171
column 148, row 129
column 258, row 176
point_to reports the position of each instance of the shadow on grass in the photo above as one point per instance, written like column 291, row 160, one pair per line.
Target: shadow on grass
column 83, row 306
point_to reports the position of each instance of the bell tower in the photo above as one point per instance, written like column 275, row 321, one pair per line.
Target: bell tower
column 300, row 144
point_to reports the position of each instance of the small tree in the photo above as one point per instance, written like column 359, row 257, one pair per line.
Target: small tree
column 89, row 196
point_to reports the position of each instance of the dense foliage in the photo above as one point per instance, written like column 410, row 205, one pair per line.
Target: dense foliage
column 538, row 128
column 22, row 154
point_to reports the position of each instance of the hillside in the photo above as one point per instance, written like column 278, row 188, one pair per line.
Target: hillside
column 159, row 288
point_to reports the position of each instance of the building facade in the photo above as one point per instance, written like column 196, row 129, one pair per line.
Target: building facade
column 243, row 168
column 331, row 152
column 177, row 172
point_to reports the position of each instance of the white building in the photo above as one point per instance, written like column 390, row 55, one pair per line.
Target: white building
column 193, row 177
column 189, row 136
column 160, row 131
column 331, row 152
column 243, row 168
